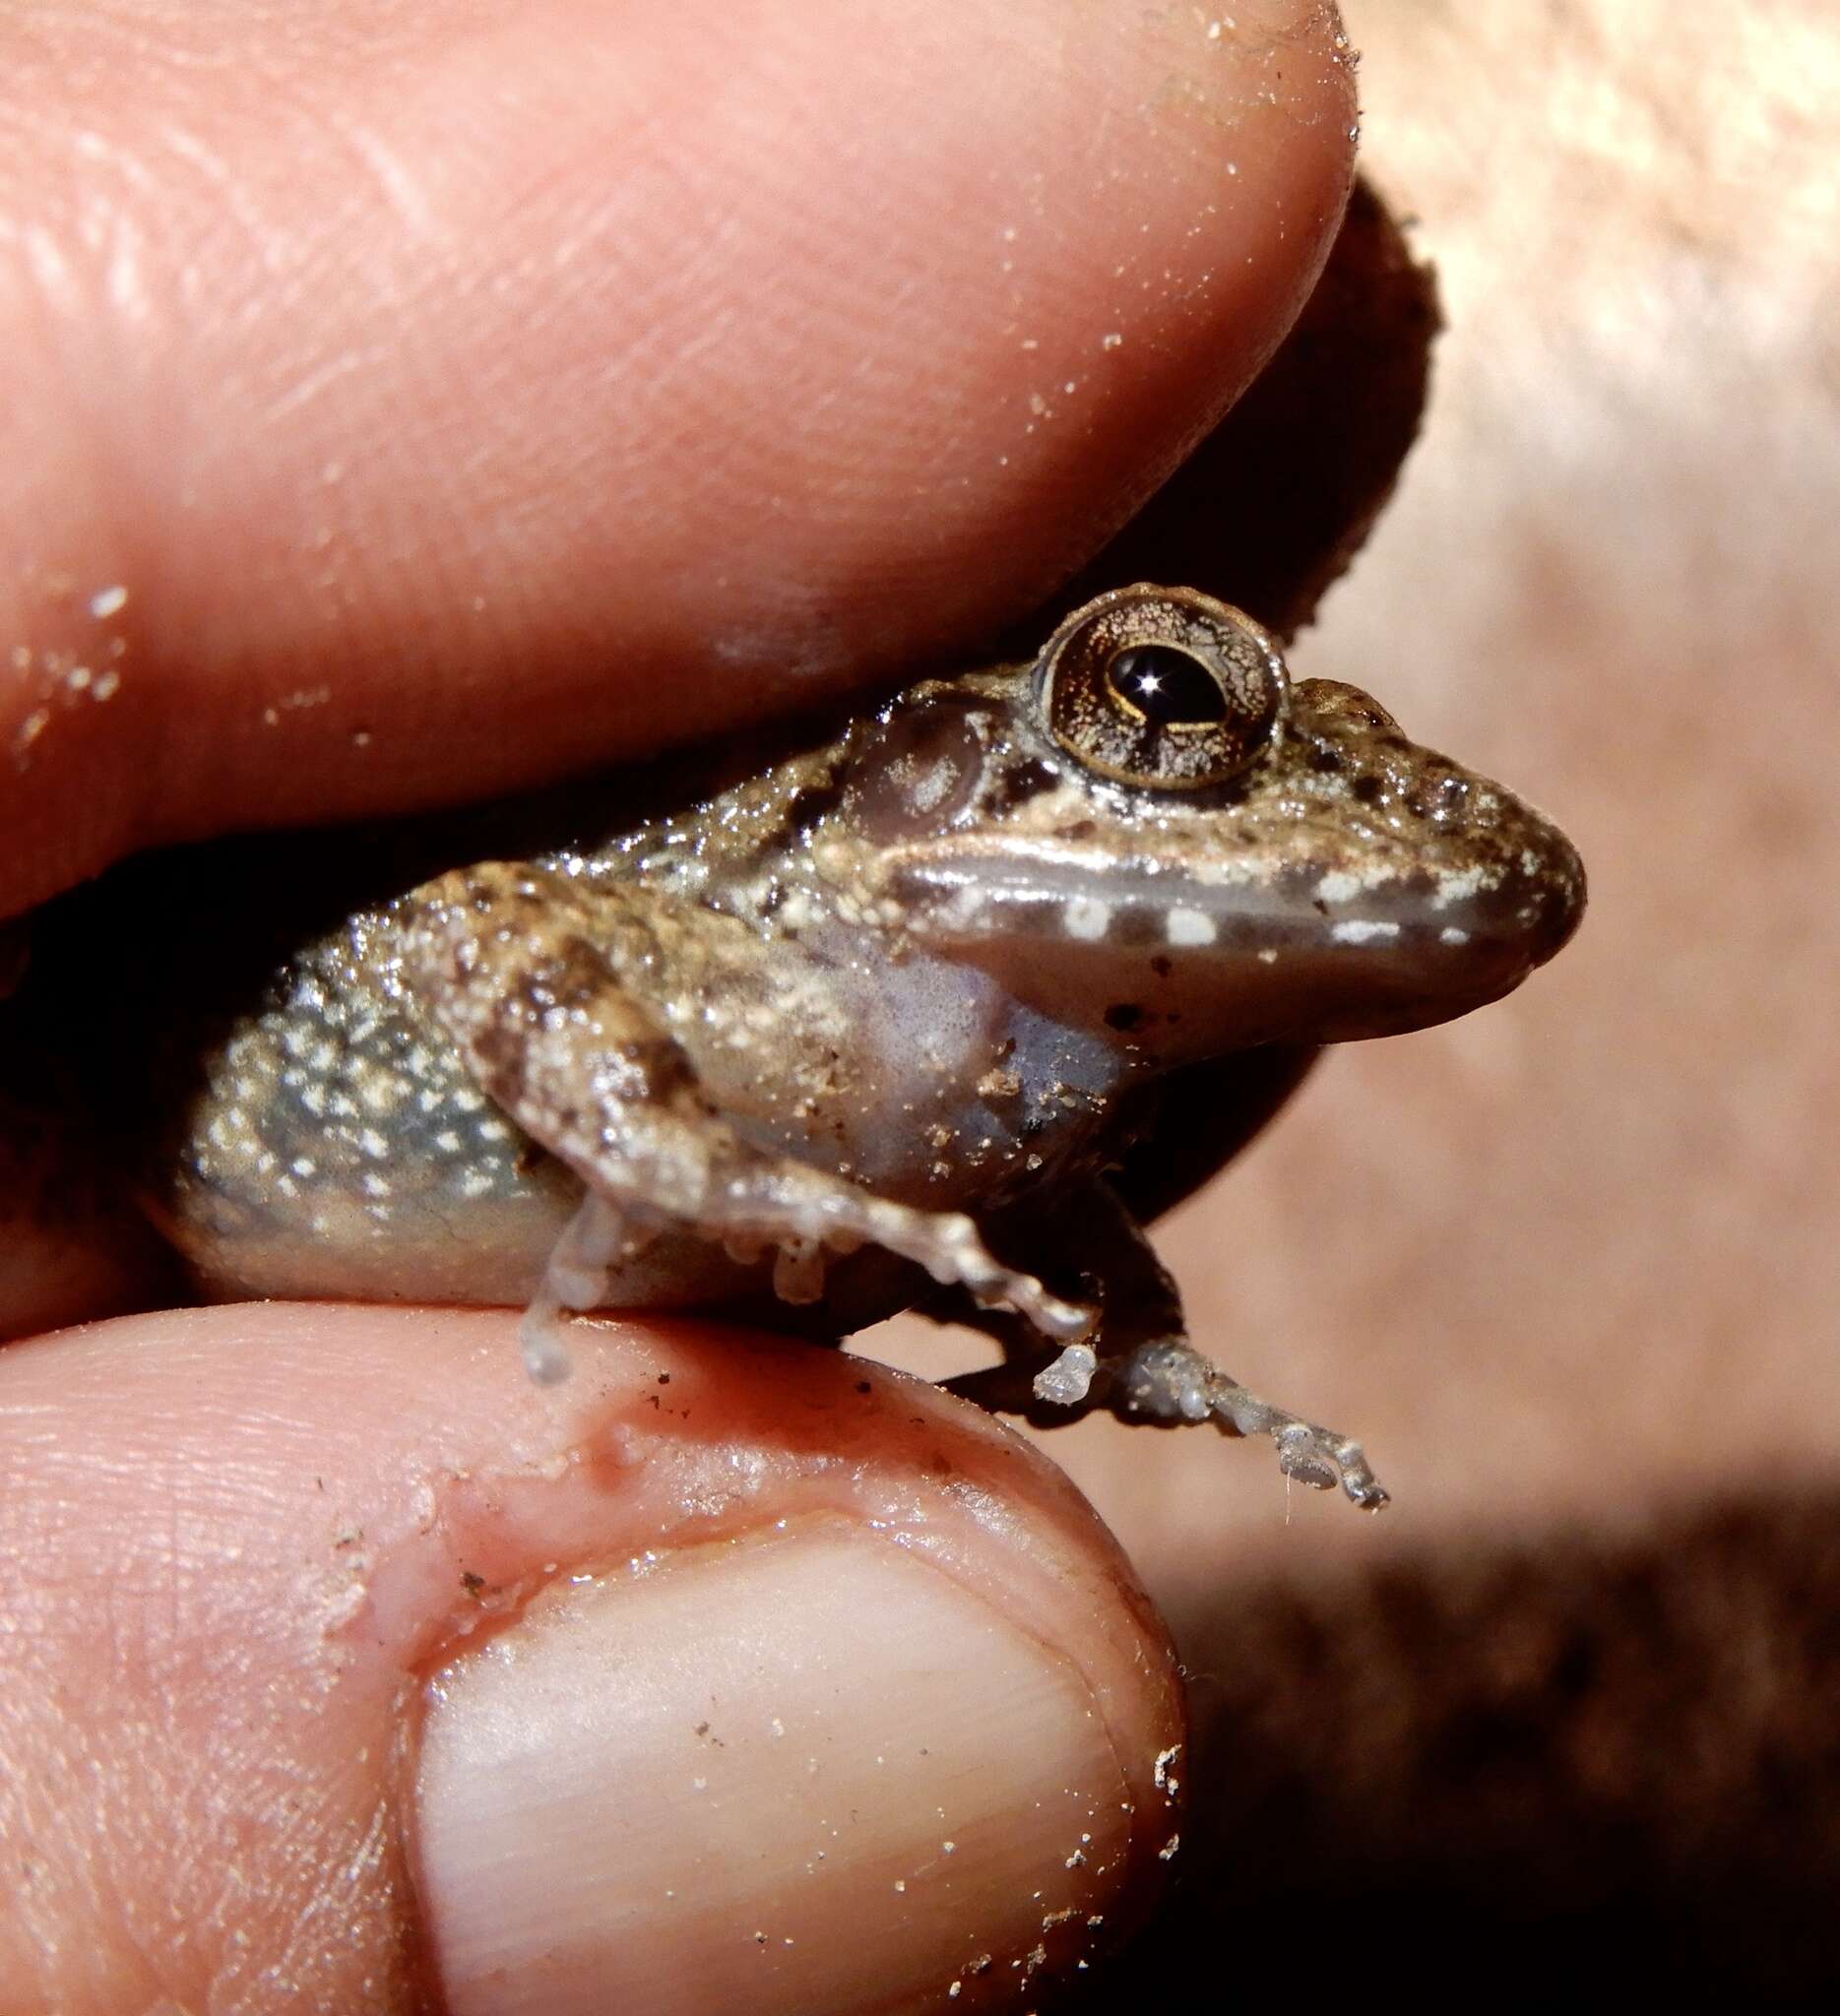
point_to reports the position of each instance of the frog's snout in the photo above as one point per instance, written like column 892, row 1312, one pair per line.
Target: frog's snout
column 1367, row 955
column 1560, row 898
column 1487, row 924
column 1534, row 902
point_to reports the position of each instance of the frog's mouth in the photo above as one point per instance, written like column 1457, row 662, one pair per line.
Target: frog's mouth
column 1187, row 967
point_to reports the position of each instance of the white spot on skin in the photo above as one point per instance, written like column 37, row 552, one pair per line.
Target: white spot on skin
column 1338, row 886
column 1269, row 955
column 1067, row 1382
column 1456, row 886
column 1361, row 931
column 962, row 908
column 1087, row 919
column 109, row 601
column 926, row 792
column 1451, row 935
column 1189, row 927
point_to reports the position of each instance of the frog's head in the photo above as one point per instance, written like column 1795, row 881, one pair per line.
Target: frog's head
column 1150, row 829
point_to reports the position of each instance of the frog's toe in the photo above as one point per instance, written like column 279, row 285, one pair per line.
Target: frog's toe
column 1172, row 1381
column 1311, row 1455
column 1069, row 1379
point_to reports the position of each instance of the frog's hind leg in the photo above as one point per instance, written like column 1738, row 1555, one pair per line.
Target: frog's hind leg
column 531, row 988
column 1139, row 1362
column 1170, row 1380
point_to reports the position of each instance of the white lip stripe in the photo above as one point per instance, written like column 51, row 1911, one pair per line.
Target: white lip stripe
column 1087, row 919
column 1188, row 927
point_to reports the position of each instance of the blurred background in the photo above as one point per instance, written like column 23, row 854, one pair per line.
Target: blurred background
column 1570, row 1267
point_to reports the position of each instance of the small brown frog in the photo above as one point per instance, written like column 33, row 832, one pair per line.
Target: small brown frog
column 912, row 991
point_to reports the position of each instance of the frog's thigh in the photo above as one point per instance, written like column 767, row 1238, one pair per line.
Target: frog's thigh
column 528, row 978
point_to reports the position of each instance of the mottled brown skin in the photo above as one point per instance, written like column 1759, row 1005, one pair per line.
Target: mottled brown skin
column 913, row 983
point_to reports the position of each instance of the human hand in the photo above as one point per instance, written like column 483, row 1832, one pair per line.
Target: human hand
column 409, row 405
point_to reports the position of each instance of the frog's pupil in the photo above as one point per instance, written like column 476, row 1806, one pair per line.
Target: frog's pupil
column 1167, row 686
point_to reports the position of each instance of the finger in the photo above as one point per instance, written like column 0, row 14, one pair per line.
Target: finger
column 344, row 1667
column 407, row 404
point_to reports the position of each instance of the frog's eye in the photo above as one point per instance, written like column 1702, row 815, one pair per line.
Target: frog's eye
column 1164, row 687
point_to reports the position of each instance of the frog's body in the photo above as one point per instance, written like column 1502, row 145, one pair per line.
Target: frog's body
column 884, row 992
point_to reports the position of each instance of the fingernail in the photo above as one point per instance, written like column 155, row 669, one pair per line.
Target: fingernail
column 805, row 1770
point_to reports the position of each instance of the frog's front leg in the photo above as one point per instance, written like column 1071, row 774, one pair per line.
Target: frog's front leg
column 1139, row 1361
column 544, row 994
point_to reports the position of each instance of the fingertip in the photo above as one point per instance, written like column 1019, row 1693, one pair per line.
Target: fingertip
column 724, row 362
column 369, row 1586
column 804, row 1771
